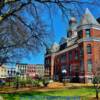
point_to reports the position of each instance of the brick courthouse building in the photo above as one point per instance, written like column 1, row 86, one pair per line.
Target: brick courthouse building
column 78, row 53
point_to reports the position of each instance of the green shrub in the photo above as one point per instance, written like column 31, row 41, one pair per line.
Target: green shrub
column 96, row 80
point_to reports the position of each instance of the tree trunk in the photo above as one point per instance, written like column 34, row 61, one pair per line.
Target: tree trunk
column 97, row 94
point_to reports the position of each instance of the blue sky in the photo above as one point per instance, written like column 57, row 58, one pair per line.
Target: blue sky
column 60, row 27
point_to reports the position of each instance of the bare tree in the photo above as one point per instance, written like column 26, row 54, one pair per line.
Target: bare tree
column 23, row 24
column 96, row 72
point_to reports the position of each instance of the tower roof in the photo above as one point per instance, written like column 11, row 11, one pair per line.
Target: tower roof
column 72, row 27
column 88, row 18
column 72, row 24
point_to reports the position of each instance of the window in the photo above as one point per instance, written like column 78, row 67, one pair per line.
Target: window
column 89, row 49
column 63, row 58
column 76, row 55
column 81, row 66
column 70, row 55
column 89, row 62
column 63, row 46
column 63, row 67
column 80, row 34
column 81, row 51
column 88, row 33
column 47, row 61
column 76, row 69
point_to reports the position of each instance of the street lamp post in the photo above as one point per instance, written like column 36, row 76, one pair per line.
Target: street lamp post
column 64, row 74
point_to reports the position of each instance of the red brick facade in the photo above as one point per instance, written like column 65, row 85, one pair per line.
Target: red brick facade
column 79, row 55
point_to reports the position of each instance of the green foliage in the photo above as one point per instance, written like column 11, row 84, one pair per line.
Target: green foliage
column 96, row 80
column 30, row 82
column 45, row 82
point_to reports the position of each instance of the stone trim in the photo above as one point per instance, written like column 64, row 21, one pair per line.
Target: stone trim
column 62, row 51
column 88, row 26
column 67, row 49
column 89, row 39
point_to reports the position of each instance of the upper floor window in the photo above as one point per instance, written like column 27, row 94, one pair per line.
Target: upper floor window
column 88, row 33
column 81, row 51
column 81, row 66
column 76, row 54
column 47, row 61
column 63, row 46
column 63, row 58
column 70, row 55
column 80, row 34
column 89, row 49
column 89, row 62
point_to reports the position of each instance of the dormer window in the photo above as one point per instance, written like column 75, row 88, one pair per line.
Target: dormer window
column 80, row 34
column 63, row 46
column 88, row 33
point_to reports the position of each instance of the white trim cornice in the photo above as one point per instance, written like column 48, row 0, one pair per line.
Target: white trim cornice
column 88, row 26
column 63, row 51
column 89, row 39
column 67, row 49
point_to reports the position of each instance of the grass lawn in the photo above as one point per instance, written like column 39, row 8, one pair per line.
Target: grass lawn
column 83, row 92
